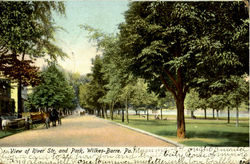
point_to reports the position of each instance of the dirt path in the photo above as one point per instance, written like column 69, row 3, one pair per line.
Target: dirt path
column 82, row 131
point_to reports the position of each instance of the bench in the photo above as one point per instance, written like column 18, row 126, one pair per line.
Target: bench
column 12, row 123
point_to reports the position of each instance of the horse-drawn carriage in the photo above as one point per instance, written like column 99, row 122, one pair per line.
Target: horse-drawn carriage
column 43, row 117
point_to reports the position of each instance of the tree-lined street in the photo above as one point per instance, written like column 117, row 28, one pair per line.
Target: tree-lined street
column 80, row 131
column 138, row 61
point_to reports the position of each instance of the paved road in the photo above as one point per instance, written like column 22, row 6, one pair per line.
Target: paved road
column 82, row 131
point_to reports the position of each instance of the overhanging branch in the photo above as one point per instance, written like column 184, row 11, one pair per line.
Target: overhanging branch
column 167, row 86
column 171, row 77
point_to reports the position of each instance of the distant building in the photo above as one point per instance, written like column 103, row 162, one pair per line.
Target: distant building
column 9, row 96
column 7, row 103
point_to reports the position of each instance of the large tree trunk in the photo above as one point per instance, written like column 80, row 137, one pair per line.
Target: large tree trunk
column 19, row 99
column 126, row 106
column 228, row 115
column 213, row 113
column 205, row 113
column 179, row 93
column 181, row 129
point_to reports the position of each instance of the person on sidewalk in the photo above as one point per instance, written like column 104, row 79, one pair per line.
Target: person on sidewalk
column 60, row 118
column 47, row 121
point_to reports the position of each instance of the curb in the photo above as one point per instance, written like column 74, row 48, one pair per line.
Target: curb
column 144, row 132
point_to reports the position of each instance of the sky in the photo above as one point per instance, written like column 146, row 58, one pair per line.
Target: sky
column 99, row 14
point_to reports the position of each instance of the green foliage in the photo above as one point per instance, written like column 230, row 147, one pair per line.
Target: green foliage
column 192, row 101
column 75, row 80
column 28, row 27
column 167, row 101
column 54, row 90
column 240, row 91
column 116, row 86
column 92, row 92
column 198, row 38
column 85, row 96
column 238, row 94
column 185, row 45
column 141, row 96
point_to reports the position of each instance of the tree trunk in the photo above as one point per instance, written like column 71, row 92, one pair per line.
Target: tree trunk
column 181, row 129
column 99, row 113
column 217, row 113
column 192, row 114
column 228, row 115
column 102, row 112
column 213, row 113
column 179, row 93
column 161, row 113
column 19, row 99
column 126, row 106
column 112, row 111
column 136, row 112
column 237, row 116
column 147, row 115
column 205, row 113
column 122, row 115
column 105, row 111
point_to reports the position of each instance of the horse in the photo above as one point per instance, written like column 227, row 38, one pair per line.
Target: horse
column 5, row 124
column 46, row 119
column 54, row 116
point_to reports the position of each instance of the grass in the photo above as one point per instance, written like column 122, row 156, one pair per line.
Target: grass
column 9, row 132
column 199, row 132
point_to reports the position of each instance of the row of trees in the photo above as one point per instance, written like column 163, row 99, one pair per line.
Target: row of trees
column 27, row 33
column 174, row 47
column 233, row 99
column 186, row 45
column 99, row 95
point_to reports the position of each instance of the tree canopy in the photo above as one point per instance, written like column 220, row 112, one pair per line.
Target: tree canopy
column 184, row 45
column 26, row 33
column 53, row 91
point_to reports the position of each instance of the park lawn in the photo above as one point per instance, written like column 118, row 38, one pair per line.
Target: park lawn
column 10, row 132
column 199, row 132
